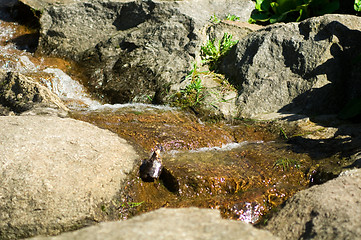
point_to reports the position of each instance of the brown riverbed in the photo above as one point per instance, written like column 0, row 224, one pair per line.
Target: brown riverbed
column 244, row 169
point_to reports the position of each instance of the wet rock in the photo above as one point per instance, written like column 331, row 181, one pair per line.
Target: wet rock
column 131, row 50
column 328, row 211
column 56, row 173
column 21, row 94
column 291, row 67
column 151, row 168
column 187, row 223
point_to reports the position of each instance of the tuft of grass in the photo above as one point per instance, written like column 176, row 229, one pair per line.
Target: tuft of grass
column 212, row 52
column 214, row 19
column 131, row 204
column 232, row 17
column 283, row 133
column 193, row 93
column 286, row 163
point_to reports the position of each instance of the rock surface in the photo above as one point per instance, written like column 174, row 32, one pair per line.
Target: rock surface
column 188, row 223
column 8, row 3
column 131, row 50
column 304, row 67
column 55, row 173
column 19, row 94
column 328, row 211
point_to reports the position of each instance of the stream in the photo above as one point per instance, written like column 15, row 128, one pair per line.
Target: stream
column 246, row 169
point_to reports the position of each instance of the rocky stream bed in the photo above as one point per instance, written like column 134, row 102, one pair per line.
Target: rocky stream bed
column 87, row 92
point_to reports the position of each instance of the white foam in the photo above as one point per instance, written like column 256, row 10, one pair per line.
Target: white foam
column 224, row 147
column 67, row 88
column 135, row 106
column 27, row 65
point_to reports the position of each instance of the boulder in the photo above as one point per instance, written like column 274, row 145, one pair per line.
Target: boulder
column 131, row 50
column 328, row 211
column 56, row 173
column 166, row 223
column 19, row 94
column 307, row 67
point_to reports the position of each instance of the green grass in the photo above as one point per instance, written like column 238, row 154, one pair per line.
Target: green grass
column 193, row 93
column 286, row 163
column 212, row 52
column 215, row 19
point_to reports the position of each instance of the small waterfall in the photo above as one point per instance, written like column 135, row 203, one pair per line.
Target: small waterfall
column 68, row 89
column 44, row 71
column 39, row 69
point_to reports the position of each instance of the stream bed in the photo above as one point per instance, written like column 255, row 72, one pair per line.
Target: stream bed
column 244, row 168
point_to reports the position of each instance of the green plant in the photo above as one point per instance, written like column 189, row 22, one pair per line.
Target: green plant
column 193, row 73
column 283, row 133
column 286, row 163
column 272, row 11
column 215, row 19
column 192, row 94
column 232, row 17
column 357, row 5
column 149, row 98
column 212, row 52
column 131, row 204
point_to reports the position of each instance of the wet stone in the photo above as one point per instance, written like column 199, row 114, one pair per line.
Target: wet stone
column 151, row 168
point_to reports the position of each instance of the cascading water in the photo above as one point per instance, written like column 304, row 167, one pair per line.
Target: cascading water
column 41, row 69
column 217, row 167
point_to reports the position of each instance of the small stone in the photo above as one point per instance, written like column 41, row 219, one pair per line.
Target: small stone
column 151, row 168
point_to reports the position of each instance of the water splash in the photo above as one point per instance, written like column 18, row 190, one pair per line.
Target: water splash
column 224, row 147
column 248, row 212
column 39, row 69
column 68, row 89
column 133, row 106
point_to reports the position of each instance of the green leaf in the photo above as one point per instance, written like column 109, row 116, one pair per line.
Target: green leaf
column 232, row 17
column 259, row 16
column 211, row 53
column 292, row 10
column 263, row 5
column 357, row 5
column 214, row 19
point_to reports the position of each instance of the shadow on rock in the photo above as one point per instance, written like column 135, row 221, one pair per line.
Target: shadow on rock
column 337, row 80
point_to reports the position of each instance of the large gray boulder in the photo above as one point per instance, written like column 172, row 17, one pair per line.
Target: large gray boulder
column 55, row 174
column 328, row 211
column 307, row 67
column 19, row 94
column 166, row 224
column 131, row 50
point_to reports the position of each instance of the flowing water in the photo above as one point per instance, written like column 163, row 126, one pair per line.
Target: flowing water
column 244, row 170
